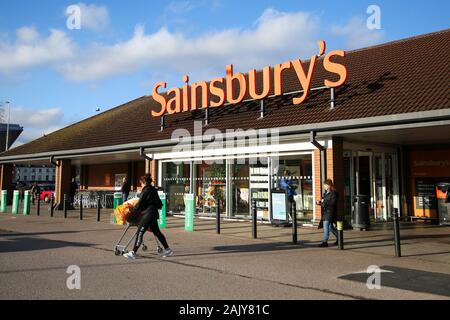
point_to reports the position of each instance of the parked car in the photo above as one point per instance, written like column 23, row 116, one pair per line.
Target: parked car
column 46, row 192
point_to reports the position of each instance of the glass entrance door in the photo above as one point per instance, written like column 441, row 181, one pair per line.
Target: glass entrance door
column 379, row 184
column 374, row 175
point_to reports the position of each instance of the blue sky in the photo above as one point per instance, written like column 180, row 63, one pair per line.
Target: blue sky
column 55, row 76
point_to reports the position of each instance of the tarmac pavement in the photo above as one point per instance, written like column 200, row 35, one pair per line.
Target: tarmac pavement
column 35, row 253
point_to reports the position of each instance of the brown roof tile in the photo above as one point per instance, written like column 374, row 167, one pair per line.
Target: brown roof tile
column 404, row 76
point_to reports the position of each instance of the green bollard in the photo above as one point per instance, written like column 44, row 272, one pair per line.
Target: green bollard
column 162, row 221
column 189, row 212
column 117, row 199
column 26, row 203
column 4, row 201
column 15, row 202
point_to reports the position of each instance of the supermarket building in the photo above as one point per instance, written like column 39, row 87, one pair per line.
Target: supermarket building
column 384, row 133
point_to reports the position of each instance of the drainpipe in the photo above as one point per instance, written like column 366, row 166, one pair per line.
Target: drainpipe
column 143, row 155
column 323, row 158
column 53, row 161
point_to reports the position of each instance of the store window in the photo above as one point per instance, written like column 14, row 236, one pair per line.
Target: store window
column 176, row 183
column 295, row 174
column 249, row 181
column 210, row 187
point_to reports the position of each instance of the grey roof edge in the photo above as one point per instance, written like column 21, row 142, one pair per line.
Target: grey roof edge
column 321, row 127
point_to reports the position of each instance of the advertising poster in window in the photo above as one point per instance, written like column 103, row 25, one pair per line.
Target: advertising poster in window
column 118, row 180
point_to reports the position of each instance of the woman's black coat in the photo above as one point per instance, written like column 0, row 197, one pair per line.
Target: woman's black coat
column 149, row 201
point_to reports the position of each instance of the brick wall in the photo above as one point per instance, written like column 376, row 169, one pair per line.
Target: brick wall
column 335, row 171
column 6, row 179
column 63, row 178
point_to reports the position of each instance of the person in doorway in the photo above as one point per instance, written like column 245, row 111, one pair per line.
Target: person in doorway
column 149, row 204
column 21, row 188
column 125, row 189
column 287, row 184
column 329, row 211
column 72, row 192
column 35, row 191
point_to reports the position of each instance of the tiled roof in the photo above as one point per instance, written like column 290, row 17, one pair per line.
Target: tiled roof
column 403, row 76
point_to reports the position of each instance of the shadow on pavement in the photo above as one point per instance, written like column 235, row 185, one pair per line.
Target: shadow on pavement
column 260, row 247
column 5, row 233
column 408, row 279
column 21, row 244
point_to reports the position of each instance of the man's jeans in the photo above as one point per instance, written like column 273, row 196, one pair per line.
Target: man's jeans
column 327, row 227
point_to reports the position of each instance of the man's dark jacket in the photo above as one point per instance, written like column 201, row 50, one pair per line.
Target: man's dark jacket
column 329, row 206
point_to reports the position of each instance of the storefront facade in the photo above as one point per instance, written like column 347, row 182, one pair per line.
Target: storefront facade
column 383, row 132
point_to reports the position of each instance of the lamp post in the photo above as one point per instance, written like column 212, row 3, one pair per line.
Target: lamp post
column 7, row 126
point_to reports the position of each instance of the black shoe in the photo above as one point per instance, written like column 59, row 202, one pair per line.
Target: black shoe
column 323, row 244
column 336, row 243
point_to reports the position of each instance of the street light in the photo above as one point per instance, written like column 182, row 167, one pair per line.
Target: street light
column 7, row 126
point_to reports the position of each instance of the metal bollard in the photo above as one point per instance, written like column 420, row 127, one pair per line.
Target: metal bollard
column 218, row 217
column 38, row 208
column 254, row 219
column 340, row 228
column 65, row 205
column 398, row 251
column 293, row 208
column 81, row 207
column 98, row 208
column 52, row 205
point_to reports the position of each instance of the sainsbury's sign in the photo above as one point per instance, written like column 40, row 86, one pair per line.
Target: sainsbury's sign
column 221, row 90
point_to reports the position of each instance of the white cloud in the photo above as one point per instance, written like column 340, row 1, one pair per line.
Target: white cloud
column 93, row 17
column 275, row 36
column 36, row 123
column 32, row 50
column 27, row 34
column 178, row 7
column 357, row 35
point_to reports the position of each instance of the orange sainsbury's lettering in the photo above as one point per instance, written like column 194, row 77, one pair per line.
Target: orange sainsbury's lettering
column 204, row 87
column 174, row 103
column 336, row 68
column 278, row 77
column 266, row 84
column 305, row 79
column 239, row 77
column 235, row 86
column 216, row 91
column 160, row 99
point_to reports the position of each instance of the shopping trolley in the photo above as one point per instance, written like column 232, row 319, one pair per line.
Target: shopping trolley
column 120, row 249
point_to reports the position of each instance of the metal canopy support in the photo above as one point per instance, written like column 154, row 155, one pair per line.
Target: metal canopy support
column 332, row 98
column 206, row 116
column 163, row 122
